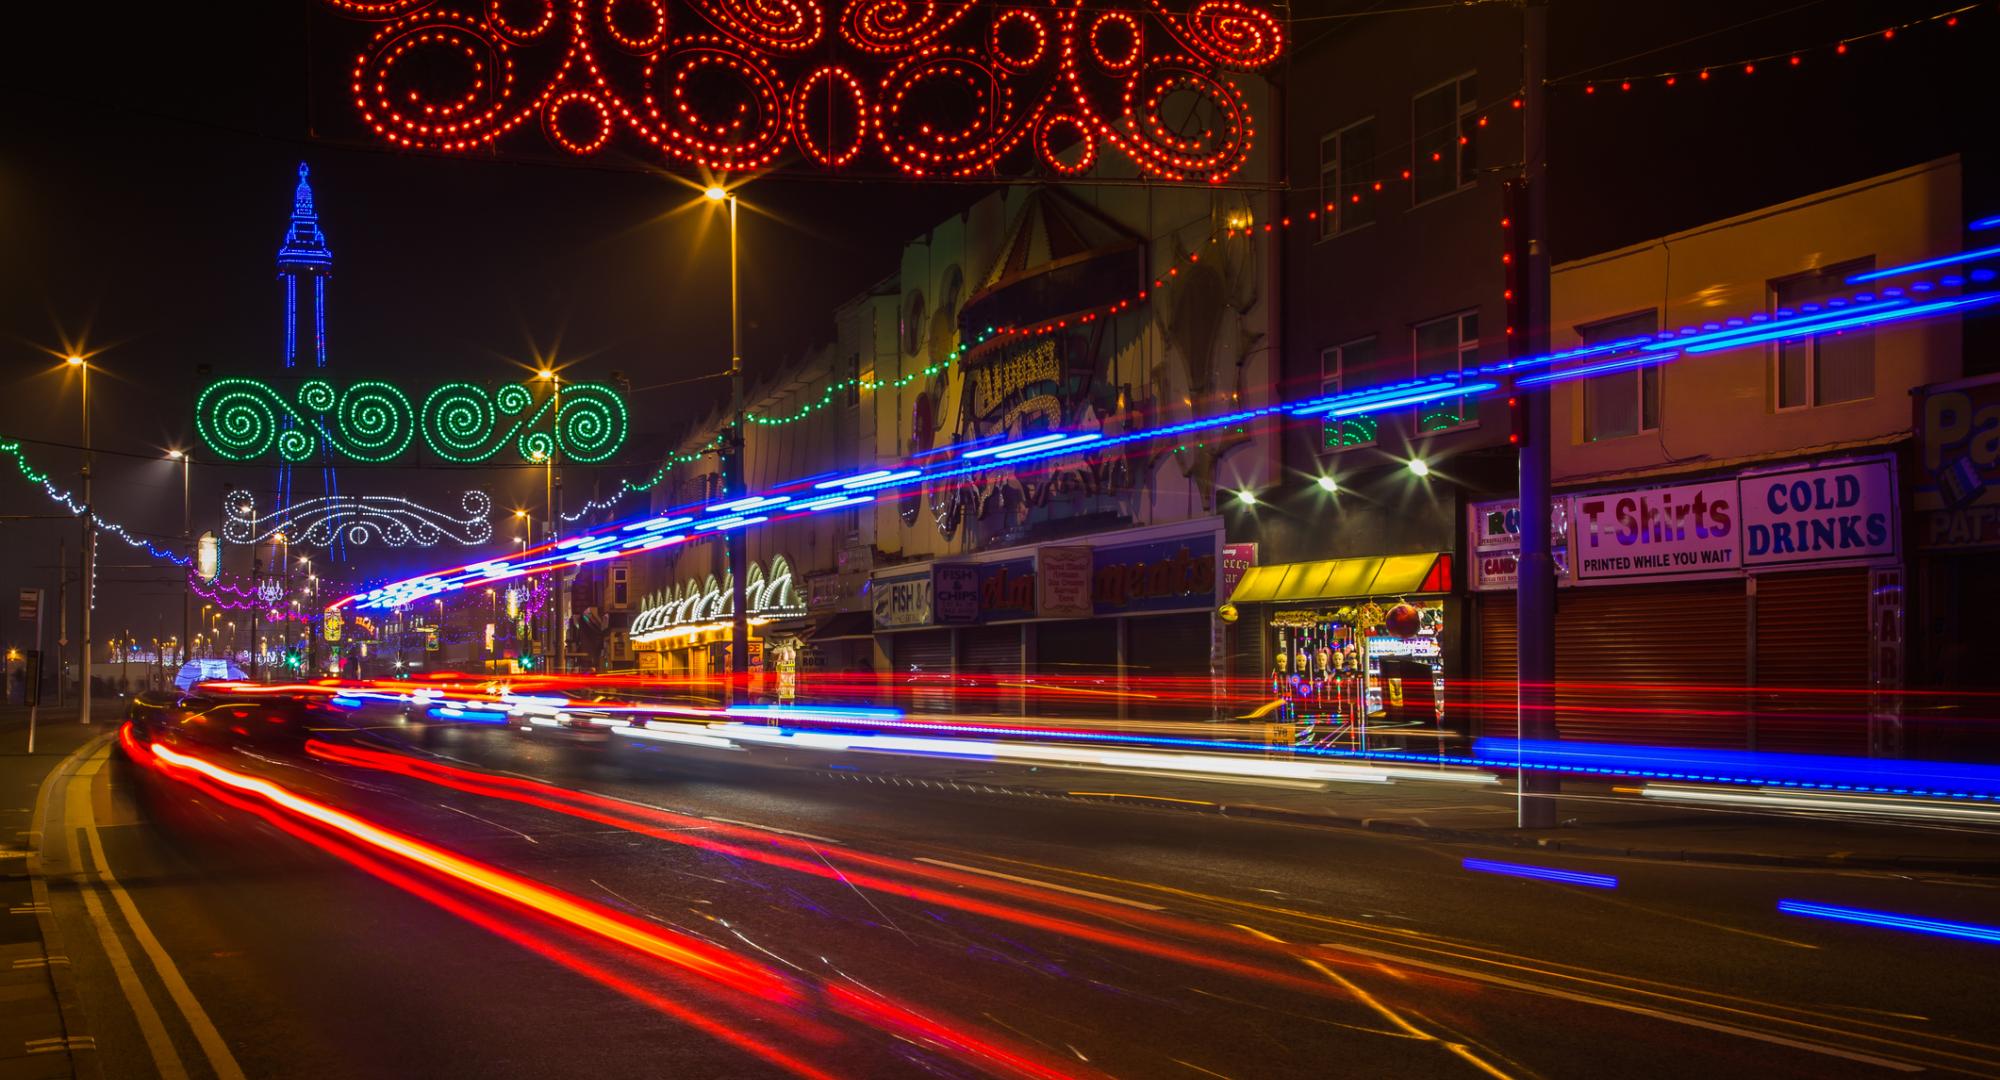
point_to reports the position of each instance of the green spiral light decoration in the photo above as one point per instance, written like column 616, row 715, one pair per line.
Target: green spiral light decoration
column 592, row 422
column 373, row 421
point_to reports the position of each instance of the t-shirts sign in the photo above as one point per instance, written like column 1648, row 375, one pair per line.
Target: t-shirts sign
column 1687, row 531
column 1819, row 515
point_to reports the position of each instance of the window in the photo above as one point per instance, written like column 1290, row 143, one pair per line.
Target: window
column 1348, row 367
column 1622, row 403
column 1443, row 126
column 1822, row 369
column 1347, row 178
column 1445, row 347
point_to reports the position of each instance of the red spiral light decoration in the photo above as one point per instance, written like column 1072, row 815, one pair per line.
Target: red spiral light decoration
column 953, row 88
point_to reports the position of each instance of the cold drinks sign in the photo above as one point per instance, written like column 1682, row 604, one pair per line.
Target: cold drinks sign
column 1835, row 513
column 1819, row 515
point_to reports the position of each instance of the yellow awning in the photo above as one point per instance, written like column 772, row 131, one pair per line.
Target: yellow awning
column 1341, row 579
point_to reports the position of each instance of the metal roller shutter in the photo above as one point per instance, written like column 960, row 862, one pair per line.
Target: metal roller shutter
column 1653, row 664
column 1491, row 697
column 1076, row 655
column 988, row 658
column 1812, row 635
column 1167, row 656
column 923, row 664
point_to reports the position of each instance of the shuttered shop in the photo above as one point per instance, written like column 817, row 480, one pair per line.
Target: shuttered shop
column 1812, row 657
column 989, row 663
column 1168, row 656
column 923, row 663
column 1634, row 664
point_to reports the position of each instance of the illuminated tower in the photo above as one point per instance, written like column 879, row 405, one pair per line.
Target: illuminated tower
column 304, row 264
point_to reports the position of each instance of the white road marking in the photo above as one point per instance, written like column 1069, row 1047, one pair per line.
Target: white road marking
column 775, row 829
column 212, row 1045
column 1037, row 882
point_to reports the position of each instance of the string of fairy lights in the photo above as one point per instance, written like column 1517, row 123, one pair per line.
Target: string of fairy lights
column 1818, row 51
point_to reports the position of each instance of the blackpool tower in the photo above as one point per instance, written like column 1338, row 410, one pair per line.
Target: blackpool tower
column 304, row 265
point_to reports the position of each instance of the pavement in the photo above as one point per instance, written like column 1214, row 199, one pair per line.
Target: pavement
column 42, row 1030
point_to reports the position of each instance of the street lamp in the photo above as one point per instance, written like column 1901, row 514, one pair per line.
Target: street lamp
column 187, row 538
column 89, row 541
column 736, row 539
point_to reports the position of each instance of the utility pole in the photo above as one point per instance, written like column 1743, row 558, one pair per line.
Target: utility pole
column 62, row 614
column 1535, row 583
column 86, row 584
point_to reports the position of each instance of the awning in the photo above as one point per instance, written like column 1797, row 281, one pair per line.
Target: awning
column 1341, row 579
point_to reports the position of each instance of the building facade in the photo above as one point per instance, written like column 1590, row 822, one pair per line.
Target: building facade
column 1732, row 525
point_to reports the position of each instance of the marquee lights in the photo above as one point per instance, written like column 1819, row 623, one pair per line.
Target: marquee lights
column 242, row 419
column 957, row 90
column 358, row 519
column 1856, row 312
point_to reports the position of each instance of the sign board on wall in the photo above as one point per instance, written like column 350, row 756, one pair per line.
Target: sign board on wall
column 1829, row 514
column 1673, row 532
column 1062, row 582
column 1957, row 489
column 903, row 601
column 955, row 595
column 1495, row 529
column 1162, row 575
column 1833, row 513
column 1007, row 590
column 1237, row 560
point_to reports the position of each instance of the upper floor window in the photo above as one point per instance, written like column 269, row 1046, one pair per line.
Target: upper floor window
column 1347, row 178
column 1622, row 403
column 1821, row 369
column 1342, row 368
column 1442, row 139
column 1445, row 346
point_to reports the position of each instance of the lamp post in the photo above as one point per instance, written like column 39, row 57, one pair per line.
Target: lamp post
column 559, row 619
column 186, row 458
column 737, row 539
column 87, row 584
column 527, row 537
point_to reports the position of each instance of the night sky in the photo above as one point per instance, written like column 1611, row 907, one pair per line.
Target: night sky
column 145, row 183
column 148, row 154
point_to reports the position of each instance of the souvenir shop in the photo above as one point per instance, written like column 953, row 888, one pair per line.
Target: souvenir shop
column 1354, row 648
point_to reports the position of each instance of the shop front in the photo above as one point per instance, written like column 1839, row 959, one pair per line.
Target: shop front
column 1955, row 531
column 1744, row 610
column 1355, row 648
column 1076, row 628
column 685, row 630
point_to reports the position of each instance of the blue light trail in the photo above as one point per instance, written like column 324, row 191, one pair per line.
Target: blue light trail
column 1541, row 873
column 1832, row 315
column 1939, row 927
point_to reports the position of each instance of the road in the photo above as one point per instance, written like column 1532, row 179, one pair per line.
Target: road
column 619, row 910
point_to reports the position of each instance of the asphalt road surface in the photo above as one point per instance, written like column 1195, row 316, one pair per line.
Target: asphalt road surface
column 418, row 900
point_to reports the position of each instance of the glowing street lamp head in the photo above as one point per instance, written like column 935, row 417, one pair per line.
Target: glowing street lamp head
column 715, row 194
column 1419, row 467
column 73, row 360
column 176, row 454
column 1328, row 484
column 1246, row 497
column 545, row 374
